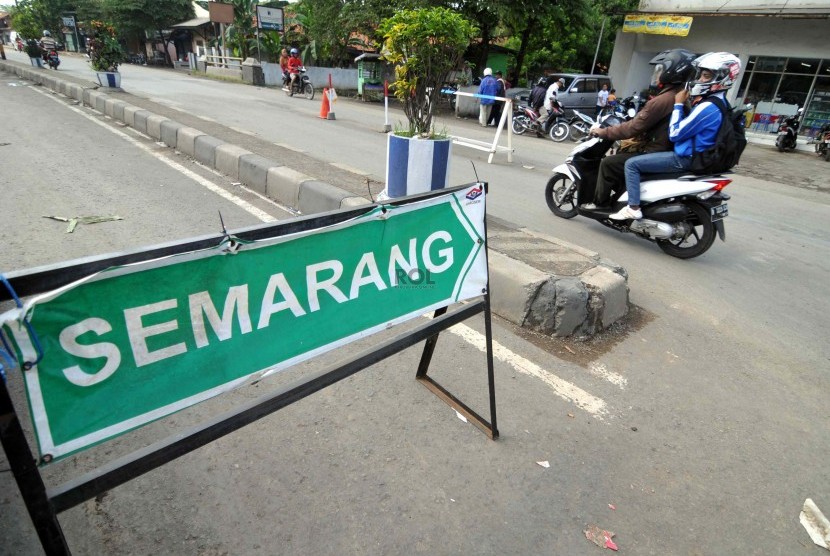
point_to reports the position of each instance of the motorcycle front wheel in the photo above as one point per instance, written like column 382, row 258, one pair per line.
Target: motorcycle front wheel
column 559, row 131
column 520, row 124
column 698, row 241
column 579, row 130
column 560, row 194
column 308, row 91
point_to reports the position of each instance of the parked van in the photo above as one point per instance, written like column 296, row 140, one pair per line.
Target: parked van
column 580, row 90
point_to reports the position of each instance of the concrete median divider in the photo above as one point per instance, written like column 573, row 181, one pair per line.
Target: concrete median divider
column 537, row 282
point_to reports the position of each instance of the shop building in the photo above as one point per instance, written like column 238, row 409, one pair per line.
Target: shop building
column 782, row 46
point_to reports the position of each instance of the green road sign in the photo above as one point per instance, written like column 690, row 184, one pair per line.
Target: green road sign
column 132, row 344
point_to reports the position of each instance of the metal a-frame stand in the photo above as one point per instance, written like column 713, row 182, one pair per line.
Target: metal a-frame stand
column 45, row 504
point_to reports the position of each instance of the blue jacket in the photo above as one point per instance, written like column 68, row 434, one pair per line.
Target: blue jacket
column 699, row 128
column 489, row 86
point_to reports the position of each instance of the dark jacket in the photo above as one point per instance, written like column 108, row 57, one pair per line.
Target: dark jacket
column 537, row 97
column 650, row 126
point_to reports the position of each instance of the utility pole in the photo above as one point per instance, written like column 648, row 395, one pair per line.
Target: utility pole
column 599, row 40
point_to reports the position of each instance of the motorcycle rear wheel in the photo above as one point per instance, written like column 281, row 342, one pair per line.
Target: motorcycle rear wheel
column 520, row 124
column 559, row 131
column 308, row 91
column 560, row 193
column 698, row 241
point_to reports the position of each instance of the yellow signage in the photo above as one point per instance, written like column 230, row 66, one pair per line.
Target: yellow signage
column 677, row 25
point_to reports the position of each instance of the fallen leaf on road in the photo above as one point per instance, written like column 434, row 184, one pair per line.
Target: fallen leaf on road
column 75, row 220
column 569, row 349
column 571, row 415
column 817, row 526
column 612, row 506
column 544, row 464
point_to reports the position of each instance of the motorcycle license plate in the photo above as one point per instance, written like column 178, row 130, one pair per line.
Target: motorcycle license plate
column 720, row 212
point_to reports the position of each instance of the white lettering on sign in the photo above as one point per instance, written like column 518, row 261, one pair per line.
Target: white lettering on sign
column 201, row 306
column 367, row 262
column 138, row 333
column 289, row 300
column 315, row 285
column 279, row 296
column 69, row 342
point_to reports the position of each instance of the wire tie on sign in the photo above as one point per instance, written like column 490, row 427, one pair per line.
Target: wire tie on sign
column 229, row 244
column 29, row 328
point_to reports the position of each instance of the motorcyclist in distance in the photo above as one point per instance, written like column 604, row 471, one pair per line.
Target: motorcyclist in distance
column 294, row 65
column 648, row 131
column 48, row 45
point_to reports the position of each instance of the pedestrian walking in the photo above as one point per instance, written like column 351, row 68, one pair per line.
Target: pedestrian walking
column 487, row 88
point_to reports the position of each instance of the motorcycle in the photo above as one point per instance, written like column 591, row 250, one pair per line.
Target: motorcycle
column 51, row 58
column 681, row 213
column 822, row 141
column 580, row 125
column 448, row 91
column 526, row 119
column 302, row 84
column 788, row 132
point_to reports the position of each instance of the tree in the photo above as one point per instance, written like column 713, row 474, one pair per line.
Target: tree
column 31, row 17
column 425, row 45
column 137, row 16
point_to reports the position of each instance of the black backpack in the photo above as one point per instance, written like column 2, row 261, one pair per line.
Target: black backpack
column 729, row 142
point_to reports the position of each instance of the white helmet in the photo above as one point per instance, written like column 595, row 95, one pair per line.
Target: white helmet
column 725, row 66
column 47, row 33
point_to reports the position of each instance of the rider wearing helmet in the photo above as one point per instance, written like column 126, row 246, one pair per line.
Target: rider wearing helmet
column 294, row 65
column 648, row 131
column 47, row 43
column 716, row 72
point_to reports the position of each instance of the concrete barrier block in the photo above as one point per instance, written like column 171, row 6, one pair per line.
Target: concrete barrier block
column 186, row 140
column 227, row 159
column 608, row 295
column 91, row 98
column 101, row 103
column 114, row 108
column 317, row 196
column 352, row 202
column 253, row 171
column 154, row 126
column 283, row 185
column 73, row 90
column 513, row 286
column 169, row 132
column 129, row 114
column 205, row 150
column 140, row 120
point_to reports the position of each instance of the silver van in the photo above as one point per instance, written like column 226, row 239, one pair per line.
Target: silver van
column 580, row 90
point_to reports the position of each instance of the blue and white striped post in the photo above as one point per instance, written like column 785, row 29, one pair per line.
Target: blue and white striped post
column 416, row 165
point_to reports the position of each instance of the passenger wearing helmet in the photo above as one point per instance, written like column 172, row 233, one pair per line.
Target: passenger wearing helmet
column 537, row 95
column 716, row 72
column 294, row 65
column 648, row 131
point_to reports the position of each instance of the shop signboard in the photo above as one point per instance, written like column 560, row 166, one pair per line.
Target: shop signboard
column 658, row 24
column 269, row 19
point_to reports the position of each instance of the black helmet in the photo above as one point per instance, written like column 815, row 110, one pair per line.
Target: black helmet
column 672, row 67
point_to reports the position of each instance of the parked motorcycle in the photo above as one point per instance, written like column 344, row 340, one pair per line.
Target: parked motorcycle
column 302, row 84
column 51, row 58
column 788, row 132
column 448, row 91
column 822, row 141
column 682, row 214
column 526, row 118
column 580, row 125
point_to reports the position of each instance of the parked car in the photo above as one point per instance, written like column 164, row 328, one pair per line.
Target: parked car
column 580, row 90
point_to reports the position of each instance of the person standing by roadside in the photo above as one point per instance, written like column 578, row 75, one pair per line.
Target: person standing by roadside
column 602, row 99
column 498, row 107
column 487, row 88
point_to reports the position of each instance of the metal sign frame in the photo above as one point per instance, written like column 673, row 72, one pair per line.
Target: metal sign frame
column 44, row 504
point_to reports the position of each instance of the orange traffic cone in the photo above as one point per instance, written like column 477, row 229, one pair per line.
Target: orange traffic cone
column 325, row 108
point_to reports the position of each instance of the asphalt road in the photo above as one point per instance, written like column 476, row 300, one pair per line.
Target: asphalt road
column 715, row 422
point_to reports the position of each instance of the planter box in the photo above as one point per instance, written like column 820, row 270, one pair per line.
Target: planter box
column 416, row 165
column 111, row 79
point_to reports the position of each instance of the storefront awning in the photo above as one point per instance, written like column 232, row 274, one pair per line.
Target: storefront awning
column 194, row 23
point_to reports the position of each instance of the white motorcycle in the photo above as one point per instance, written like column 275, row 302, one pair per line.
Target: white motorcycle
column 681, row 213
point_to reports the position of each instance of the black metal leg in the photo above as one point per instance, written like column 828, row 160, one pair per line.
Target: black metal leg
column 28, row 478
column 429, row 348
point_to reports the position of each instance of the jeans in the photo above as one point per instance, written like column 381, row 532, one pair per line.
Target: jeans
column 654, row 163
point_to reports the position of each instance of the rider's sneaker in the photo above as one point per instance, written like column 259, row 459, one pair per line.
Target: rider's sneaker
column 588, row 206
column 627, row 213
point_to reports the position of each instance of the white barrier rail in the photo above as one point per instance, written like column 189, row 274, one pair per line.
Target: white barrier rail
column 494, row 147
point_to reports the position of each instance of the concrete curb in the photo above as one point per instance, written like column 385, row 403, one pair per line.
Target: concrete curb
column 555, row 303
